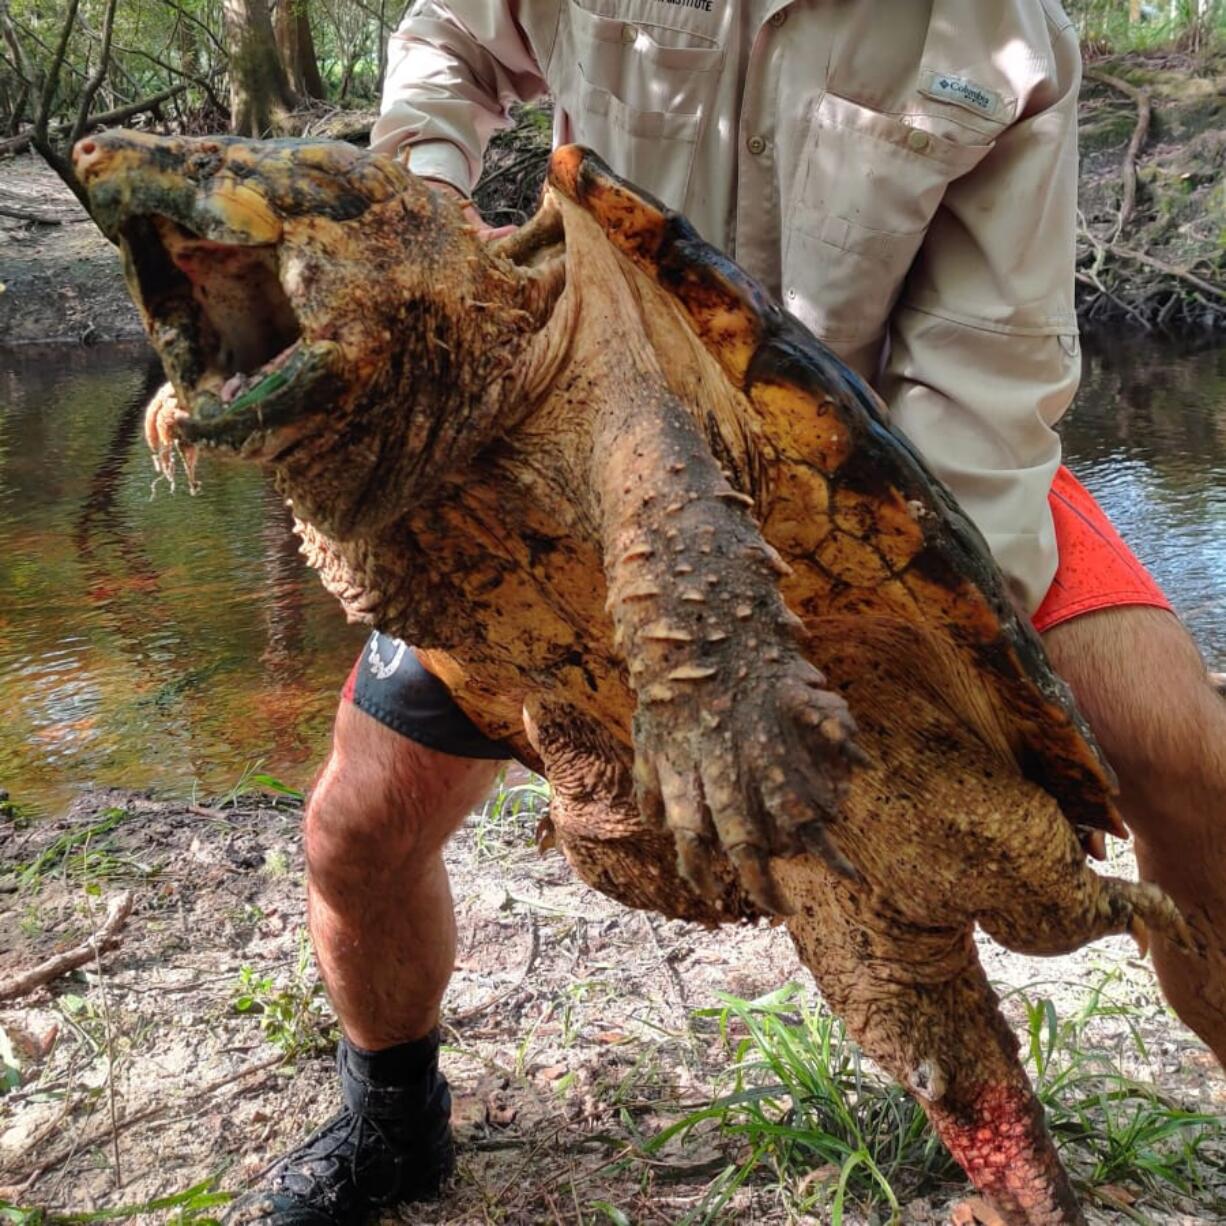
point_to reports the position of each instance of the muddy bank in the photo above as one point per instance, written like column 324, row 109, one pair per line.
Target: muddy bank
column 1166, row 266
column 1152, row 242
column 200, row 1047
column 61, row 282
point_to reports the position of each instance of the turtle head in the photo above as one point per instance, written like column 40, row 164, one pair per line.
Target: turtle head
column 298, row 293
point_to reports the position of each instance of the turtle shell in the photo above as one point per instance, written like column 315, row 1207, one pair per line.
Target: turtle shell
column 868, row 531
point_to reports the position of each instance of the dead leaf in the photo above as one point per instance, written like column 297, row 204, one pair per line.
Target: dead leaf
column 1114, row 1192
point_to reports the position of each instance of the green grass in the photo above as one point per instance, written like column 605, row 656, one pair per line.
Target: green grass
column 255, row 781
column 195, row 1204
column 86, row 853
column 509, row 816
column 804, row 1111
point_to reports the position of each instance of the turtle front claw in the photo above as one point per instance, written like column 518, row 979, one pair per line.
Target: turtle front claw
column 752, row 772
column 163, row 419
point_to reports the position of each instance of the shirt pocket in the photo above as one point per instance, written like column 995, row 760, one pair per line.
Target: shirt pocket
column 868, row 189
column 637, row 101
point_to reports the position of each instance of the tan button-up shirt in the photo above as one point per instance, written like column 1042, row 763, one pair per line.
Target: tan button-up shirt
column 901, row 173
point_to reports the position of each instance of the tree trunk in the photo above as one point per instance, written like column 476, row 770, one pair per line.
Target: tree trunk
column 260, row 95
column 293, row 26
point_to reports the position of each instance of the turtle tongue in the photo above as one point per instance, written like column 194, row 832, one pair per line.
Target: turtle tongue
column 258, row 414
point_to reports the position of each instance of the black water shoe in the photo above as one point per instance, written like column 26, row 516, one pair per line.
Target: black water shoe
column 390, row 1144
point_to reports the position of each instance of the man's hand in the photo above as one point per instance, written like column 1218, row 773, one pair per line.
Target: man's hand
column 469, row 211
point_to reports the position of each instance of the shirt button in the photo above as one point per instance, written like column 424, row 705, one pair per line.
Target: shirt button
column 756, row 145
column 918, row 140
column 777, row 19
column 629, row 34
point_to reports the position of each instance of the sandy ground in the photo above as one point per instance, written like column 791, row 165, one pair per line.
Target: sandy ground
column 571, row 1031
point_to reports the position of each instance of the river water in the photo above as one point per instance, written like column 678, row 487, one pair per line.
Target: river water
column 176, row 643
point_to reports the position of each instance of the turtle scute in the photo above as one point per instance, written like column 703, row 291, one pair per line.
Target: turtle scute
column 658, row 538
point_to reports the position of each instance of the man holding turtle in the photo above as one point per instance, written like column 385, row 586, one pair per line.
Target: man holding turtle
column 903, row 177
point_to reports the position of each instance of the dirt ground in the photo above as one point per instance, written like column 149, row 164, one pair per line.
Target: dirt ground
column 571, row 1028
column 62, row 282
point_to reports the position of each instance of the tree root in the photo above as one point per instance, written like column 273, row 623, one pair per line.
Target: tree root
column 1128, row 171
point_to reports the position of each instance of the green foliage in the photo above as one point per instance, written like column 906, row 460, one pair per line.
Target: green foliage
column 10, row 1068
column 802, row 1099
column 805, row 1109
column 293, row 1012
column 157, row 45
column 195, row 1204
column 85, row 853
column 1110, row 1128
column 254, row 781
column 510, row 814
column 1108, row 24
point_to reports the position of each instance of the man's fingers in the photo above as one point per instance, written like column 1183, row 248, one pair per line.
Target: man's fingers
column 468, row 211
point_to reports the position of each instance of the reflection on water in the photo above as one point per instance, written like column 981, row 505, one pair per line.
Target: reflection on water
column 166, row 643
column 1148, row 438
column 170, row 643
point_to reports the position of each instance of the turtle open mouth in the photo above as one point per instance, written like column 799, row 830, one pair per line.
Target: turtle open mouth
column 222, row 322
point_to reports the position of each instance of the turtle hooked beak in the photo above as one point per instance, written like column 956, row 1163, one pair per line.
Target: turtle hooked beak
column 201, row 257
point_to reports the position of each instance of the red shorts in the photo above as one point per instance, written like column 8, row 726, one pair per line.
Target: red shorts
column 1096, row 569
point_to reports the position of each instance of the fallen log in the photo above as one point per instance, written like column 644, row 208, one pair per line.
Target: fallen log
column 21, row 142
column 107, row 937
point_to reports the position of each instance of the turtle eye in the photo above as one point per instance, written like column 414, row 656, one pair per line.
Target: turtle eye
column 204, row 165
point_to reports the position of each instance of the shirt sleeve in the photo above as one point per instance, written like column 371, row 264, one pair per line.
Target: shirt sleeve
column 454, row 69
column 984, row 357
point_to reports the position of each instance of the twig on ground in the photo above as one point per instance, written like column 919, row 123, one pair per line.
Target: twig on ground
column 110, row 1063
column 140, row 1117
column 534, row 949
column 675, row 982
column 1181, row 274
column 205, row 811
column 39, row 219
column 105, row 938
column 1128, row 170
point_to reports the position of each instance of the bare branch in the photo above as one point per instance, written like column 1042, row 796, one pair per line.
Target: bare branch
column 94, row 83
column 52, row 80
column 106, row 937
column 19, row 143
column 26, row 32
column 1128, row 171
column 200, row 25
column 194, row 78
column 42, row 142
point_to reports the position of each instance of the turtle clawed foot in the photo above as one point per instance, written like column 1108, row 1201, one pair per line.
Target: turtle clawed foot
column 163, row 417
column 975, row 1212
column 1150, row 911
column 759, row 775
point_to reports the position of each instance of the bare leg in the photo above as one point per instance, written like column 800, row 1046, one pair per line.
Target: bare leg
column 1143, row 687
column 379, row 902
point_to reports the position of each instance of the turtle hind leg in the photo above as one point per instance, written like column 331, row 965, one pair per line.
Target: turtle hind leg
column 917, row 1001
column 598, row 827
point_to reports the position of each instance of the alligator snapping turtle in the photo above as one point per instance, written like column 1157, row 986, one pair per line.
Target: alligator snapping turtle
column 655, row 535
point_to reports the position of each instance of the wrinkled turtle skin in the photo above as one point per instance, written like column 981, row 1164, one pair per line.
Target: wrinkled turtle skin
column 650, row 531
